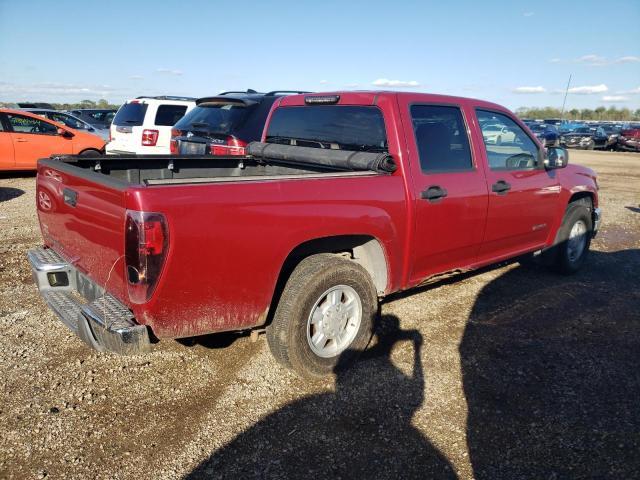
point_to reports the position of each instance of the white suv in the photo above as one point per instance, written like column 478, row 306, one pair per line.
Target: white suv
column 143, row 125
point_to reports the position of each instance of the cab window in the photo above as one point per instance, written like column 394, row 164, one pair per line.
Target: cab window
column 21, row 124
column 507, row 145
column 441, row 138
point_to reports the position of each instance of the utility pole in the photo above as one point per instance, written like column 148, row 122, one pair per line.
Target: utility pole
column 564, row 102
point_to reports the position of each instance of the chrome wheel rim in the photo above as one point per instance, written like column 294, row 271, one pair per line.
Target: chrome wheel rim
column 334, row 321
column 577, row 240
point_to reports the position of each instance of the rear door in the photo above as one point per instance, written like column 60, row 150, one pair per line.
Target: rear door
column 451, row 192
column 7, row 158
column 523, row 196
column 35, row 138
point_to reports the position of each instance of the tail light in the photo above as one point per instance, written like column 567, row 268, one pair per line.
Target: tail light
column 146, row 246
column 150, row 137
column 173, row 143
column 232, row 147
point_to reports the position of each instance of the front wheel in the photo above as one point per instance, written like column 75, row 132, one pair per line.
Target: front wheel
column 325, row 316
column 573, row 240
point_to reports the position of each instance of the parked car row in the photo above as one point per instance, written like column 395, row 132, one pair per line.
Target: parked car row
column 587, row 136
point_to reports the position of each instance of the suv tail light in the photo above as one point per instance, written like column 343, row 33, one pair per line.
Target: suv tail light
column 173, row 143
column 232, row 147
column 146, row 245
column 150, row 137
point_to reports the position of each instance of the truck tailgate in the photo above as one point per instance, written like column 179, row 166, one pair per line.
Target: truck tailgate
column 84, row 221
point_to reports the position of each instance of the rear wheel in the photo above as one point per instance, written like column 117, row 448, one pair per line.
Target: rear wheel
column 325, row 316
column 574, row 239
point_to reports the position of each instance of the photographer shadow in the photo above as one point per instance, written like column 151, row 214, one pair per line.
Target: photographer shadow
column 363, row 430
column 551, row 373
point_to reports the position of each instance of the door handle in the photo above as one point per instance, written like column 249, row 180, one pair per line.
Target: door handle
column 21, row 140
column 501, row 187
column 434, row 193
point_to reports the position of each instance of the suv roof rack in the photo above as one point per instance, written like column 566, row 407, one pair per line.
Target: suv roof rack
column 286, row 91
column 168, row 97
column 248, row 90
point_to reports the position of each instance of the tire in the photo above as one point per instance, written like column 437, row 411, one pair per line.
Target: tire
column 324, row 284
column 573, row 239
column 90, row 153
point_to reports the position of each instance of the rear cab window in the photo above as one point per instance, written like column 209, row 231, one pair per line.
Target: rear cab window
column 338, row 127
column 441, row 138
column 168, row 115
column 131, row 115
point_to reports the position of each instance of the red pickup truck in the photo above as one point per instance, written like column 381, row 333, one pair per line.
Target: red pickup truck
column 349, row 197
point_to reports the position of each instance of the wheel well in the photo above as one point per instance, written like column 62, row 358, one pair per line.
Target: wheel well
column 87, row 150
column 582, row 197
column 362, row 249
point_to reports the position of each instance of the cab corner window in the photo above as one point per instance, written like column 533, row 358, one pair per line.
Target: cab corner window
column 508, row 147
column 441, row 138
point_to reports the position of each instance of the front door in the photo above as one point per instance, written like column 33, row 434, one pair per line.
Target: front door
column 35, row 138
column 450, row 189
column 523, row 196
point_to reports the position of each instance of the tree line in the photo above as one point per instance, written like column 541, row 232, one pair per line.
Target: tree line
column 600, row 113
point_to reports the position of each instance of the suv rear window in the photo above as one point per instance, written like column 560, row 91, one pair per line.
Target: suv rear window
column 131, row 114
column 168, row 115
column 359, row 128
column 222, row 118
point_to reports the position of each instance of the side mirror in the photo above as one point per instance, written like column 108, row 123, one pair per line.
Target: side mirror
column 64, row 133
column 556, row 157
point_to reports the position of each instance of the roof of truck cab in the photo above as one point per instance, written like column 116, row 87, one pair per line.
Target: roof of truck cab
column 371, row 97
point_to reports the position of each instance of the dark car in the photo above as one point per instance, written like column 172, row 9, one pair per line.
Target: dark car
column 587, row 138
column 546, row 133
column 224, row 124
column 26, row 105
column 629, row 139
column 98, row 117
column 613, row 132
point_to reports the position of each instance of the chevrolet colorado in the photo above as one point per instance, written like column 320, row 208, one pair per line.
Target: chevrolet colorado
column 350, row 196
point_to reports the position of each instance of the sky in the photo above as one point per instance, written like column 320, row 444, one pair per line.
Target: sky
column 515, row 53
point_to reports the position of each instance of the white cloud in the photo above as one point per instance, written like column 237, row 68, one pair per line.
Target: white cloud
column 633, row 91
column 589, row 89
column 614, row 98
column 169, row 71
column 593, row 60
column 529, row 90
column 627, row 59
column 528, row 14
column 56, row 90
column 385, row 82
column 323, row 82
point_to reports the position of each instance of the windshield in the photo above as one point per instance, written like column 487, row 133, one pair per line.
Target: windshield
column 221, row 118
column 583, row 130
column 358, row 128
column 131, row 114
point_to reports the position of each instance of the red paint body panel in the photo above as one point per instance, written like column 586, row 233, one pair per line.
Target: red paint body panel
column 229, row 240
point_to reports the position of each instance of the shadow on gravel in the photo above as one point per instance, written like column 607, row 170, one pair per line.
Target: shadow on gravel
column 213, row 341
column 362, row 431
column 551, row 373
column 9, row 193
column 633, row 209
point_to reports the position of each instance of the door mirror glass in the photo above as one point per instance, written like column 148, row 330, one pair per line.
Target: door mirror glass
column 556, row 157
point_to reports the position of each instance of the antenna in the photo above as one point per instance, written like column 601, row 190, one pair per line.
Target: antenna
column 565, row 98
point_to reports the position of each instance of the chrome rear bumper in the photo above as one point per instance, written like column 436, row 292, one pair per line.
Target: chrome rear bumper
column 100, row 320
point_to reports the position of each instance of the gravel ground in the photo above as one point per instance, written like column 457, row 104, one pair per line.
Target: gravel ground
column 509, row 373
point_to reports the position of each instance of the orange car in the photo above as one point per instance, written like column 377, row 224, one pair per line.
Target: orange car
column 25, row 137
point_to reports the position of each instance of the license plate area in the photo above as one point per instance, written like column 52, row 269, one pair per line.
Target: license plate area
column 192, row 148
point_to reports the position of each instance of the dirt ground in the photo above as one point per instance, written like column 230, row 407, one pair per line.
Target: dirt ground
column 509, row 373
